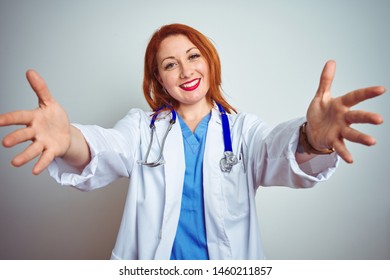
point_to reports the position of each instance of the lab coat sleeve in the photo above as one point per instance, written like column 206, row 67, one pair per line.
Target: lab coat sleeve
column 274, row 162
column 112, row 155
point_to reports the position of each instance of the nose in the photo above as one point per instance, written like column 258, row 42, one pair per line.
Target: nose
column 186, row 70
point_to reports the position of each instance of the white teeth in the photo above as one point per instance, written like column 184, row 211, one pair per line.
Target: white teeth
column 191, row 84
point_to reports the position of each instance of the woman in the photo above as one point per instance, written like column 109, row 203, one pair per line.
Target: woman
column 194, row 165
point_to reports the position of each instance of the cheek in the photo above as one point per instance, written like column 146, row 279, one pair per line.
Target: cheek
column 166, row 80
column 206, row 75
column 204, row 69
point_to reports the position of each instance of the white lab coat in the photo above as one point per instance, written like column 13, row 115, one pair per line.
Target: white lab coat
column 152, row 209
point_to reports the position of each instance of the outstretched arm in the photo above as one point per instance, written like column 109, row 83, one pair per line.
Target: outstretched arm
column 49, row 130
column 329, row 119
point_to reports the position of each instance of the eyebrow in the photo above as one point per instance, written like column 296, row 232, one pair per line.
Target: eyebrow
column 172, row 57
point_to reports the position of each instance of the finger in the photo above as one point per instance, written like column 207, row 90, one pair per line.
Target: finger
column 16, row 118
column 342, row 151
column 356, row 136
column 18, row 136
column 39, row 86
column 43, row 162
column 326, row 78
column 31, row 152
column 363, row 117
column 359, row 95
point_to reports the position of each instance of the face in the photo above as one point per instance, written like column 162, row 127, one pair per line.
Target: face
column 182, row 70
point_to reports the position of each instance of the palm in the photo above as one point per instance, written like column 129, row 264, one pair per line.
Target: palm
column 329, row 119
column 46, row 126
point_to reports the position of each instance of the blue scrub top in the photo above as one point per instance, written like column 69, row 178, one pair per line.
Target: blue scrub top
column 190, row 241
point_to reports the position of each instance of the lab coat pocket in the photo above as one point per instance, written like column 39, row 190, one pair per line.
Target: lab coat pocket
column 235, row 190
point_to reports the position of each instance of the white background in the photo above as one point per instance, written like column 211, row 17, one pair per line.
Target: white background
column 91, row 55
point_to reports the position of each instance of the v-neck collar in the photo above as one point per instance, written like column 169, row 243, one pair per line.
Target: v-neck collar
column 194, row 139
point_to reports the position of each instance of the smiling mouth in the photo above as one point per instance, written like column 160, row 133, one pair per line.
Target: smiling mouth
column 191, row 85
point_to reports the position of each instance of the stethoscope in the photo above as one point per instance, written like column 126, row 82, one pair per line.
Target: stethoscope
column 226, row 163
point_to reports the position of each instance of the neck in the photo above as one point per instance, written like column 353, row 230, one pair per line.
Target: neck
column 193, row 114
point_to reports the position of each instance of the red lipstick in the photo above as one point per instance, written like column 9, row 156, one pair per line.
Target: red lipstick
column 191, row 85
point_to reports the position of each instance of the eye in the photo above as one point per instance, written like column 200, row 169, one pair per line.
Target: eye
column 169, row 65
column 194, row 56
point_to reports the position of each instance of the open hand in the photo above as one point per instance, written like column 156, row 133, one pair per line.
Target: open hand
column 46, row 126
column 329, row 119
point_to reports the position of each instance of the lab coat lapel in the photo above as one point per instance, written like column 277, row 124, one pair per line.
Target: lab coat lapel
column 174, row 159
column 214, row 146
column 174, row 169
column 217, row 239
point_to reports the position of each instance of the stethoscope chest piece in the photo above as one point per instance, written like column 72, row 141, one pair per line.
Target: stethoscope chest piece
column 226, row 163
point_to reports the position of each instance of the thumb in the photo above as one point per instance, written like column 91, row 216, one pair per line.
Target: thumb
column 39, row 86
column 326, row 78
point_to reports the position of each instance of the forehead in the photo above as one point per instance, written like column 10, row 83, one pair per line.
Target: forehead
column 174, row 45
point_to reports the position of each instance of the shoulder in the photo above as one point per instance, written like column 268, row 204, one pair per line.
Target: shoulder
column 248, row 125
column 142, row 117
column 138, row 113
column 245, row 119
column 135, row 117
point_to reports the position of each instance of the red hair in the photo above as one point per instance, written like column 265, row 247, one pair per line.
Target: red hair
column 154, row 92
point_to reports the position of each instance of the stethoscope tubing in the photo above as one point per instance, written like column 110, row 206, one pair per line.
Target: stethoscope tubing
column 152, row 126
column 226, row 163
